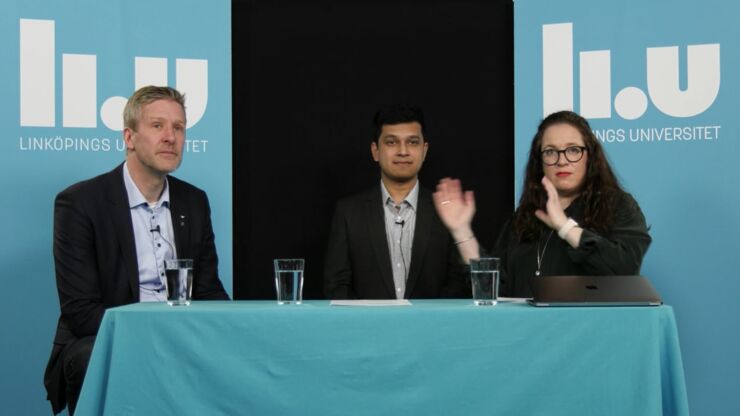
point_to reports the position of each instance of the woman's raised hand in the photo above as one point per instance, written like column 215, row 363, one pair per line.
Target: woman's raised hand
column 454, row 207
column 554, row 216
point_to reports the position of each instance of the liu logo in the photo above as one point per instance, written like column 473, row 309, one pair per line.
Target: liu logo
column 666, row 94
column 79, row 79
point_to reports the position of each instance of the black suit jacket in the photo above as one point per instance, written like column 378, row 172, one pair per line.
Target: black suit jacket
column 95, row 257
column 358, row 264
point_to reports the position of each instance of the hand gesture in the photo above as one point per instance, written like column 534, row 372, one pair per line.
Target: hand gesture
column 554, row 216
column 455, row 208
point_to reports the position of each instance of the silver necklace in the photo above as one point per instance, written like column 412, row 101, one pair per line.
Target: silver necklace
column 541, row 256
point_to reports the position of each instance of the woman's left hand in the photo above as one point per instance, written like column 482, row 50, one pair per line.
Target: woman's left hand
column 555, row 216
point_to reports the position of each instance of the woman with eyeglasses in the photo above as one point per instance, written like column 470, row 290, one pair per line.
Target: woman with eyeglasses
column 573, row 217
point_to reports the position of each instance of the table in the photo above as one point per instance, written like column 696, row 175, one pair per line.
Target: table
column 437, row 357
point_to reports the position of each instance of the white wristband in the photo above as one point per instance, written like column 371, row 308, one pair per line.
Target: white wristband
column 565, row 229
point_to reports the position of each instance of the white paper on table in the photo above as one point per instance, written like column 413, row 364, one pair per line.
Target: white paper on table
column 512, row 300
column 371, row 302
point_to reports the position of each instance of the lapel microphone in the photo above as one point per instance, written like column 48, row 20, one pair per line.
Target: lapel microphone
column 400, row 222
column 155, row 229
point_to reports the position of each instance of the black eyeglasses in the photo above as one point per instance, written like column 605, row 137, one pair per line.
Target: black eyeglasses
column 572, row 154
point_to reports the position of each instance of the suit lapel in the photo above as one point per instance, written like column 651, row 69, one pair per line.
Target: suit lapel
column 179, row 210
column 121, row 217
column 378, row 238
column 422, row 230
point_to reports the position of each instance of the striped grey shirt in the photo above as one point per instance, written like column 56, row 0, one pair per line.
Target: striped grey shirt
column 400, row 222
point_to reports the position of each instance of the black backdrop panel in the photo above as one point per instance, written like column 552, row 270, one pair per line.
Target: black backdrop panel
column 308, row 77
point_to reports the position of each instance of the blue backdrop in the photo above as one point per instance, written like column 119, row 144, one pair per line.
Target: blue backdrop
column 67, row 68
column 659, row 82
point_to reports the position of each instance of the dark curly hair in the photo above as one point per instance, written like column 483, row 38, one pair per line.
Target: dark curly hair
column 600, row 188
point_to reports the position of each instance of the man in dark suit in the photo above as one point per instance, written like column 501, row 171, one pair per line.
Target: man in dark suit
column 388, row 242
column 113, row 232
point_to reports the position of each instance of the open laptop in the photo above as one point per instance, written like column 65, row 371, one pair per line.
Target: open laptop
column 594, row 291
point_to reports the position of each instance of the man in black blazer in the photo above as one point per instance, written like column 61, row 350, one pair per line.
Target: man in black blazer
column 108, row 251
column 388, row 242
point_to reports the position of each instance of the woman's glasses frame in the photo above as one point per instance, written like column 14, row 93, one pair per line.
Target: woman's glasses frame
column 572, row 154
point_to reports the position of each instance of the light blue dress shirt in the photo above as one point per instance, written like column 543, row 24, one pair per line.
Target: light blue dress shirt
column 154, row 238
column 400, row 224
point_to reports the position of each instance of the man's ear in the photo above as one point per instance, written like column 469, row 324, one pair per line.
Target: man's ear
column 374, row 150
column 127, row 138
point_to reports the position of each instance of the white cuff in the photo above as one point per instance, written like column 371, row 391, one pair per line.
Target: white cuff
column 565, row 229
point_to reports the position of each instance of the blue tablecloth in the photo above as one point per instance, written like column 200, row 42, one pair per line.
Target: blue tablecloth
column 437, row 357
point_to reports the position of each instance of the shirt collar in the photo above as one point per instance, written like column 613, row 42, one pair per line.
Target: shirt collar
column 412, row 198
column 136, row 198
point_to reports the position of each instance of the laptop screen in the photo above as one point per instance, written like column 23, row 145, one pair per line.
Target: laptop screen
column 594, row 291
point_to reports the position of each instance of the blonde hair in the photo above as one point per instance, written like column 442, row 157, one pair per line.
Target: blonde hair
column 147, row 95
